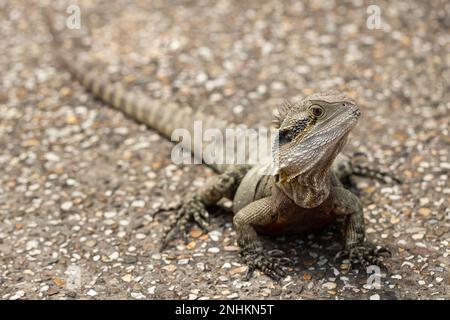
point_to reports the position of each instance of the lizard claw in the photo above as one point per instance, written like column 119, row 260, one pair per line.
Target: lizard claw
column 255, row 259
column 190, row 209
column 364, row 255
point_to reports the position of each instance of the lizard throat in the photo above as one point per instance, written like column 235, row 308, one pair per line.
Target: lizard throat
column 310, row 188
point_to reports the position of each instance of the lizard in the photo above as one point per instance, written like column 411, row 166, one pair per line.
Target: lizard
column 305, row 193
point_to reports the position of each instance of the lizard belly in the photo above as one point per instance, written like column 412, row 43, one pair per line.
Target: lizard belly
column 292, row 219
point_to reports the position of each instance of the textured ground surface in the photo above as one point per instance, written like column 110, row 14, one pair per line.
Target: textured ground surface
column 78, row 180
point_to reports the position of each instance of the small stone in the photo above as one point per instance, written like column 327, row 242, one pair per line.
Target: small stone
column 66, row 206
column 50, row 156
column 195, row 233
column 424, row 211
column 19, row 294
column 191, row 245
column 183, row 261
column 44, row 288
column 137, row 295
column 92, row 293
column 58, row 281
column 127, row 277
column 114, row 256
column 110, row 214
column 238, row 270
column 375, row 297
column 138, row 204
column 329, row 285
column 32, row 244
column 52, row 291
column 170, row 268
column 128, row 259
column 140, row 236
column 231, row 248
column 417, row 236
column 214, row 250
column 307, row 277
column 215, row 235
column 91, row 243
column 151, row 290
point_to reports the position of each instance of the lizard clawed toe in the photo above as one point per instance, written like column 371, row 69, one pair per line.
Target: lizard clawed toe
column 363, row 255
column 256, row 259
column 190, row 209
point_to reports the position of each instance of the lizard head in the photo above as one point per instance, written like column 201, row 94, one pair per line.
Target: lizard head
column 312, row 132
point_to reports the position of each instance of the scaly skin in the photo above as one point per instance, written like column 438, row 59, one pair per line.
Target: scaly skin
column 307, row 192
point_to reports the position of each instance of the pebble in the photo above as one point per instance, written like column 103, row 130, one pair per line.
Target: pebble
column 110, row 214
column 170, row 268
column 19, row 294
column 137, row 295
column 32, row 244
column 214, row 250
column 114, row 256
column 183, row 261
column 92, row 293
column 375, row 297
column 329, row 285
column 418, row 236
column 215, row 235
column 138, row 204
column 127, row 278
column 140, row 236
column 128, row 259
column 66, row 206
column 50, row 156
column 424, row 211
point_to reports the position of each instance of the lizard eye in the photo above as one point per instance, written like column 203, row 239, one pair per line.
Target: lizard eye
column 316, row 111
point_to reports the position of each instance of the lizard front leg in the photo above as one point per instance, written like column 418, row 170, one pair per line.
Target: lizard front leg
column 257, row 213
column 356, row 248
column 193, row 206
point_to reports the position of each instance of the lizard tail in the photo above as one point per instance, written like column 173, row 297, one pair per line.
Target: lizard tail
column 160, row 116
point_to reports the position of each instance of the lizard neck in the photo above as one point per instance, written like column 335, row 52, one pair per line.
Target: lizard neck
column 311, row 188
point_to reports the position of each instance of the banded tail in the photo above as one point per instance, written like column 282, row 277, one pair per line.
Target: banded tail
column 162, row 117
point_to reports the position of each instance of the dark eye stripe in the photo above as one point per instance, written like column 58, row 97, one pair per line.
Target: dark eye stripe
column 287, row 135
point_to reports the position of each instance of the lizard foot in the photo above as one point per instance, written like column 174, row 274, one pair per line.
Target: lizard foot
column 361, row 168
column 364, row 255
column 191, row 208
column 256, row 259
